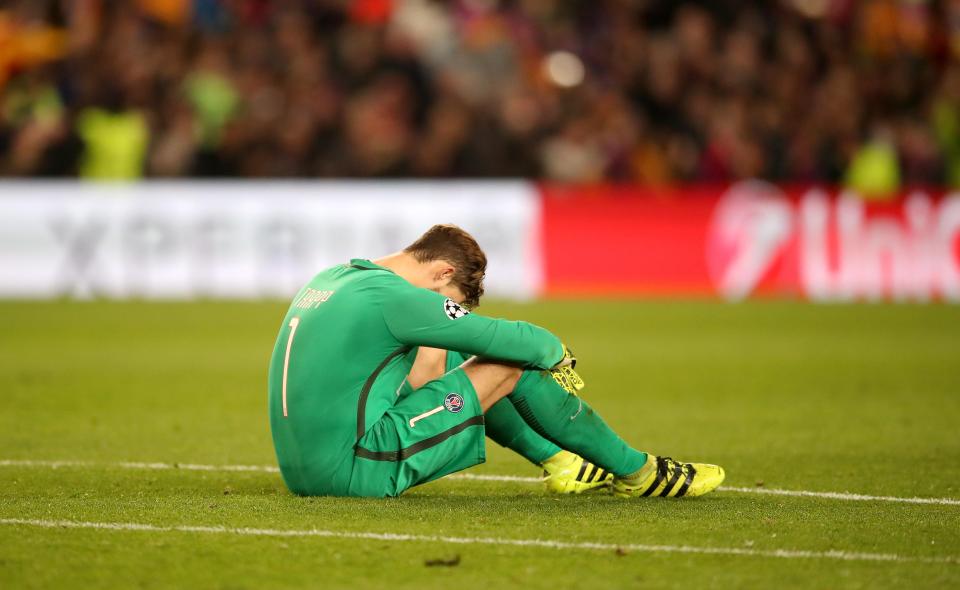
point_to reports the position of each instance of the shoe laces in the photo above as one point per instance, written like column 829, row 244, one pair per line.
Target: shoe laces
column 666, row 466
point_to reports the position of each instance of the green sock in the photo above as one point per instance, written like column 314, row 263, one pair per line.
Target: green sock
column 570, row 423
column 505, row 427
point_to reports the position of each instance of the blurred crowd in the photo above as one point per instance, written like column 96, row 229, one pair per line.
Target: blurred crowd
column 863, row 93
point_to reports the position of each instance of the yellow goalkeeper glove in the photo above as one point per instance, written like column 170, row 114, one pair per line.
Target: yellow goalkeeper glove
column 563, row 372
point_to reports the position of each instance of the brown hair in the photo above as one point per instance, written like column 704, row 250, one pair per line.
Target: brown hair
column 449, row 242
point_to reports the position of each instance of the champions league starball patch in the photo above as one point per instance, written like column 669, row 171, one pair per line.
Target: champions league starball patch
column 453, row 402
column 453, row 309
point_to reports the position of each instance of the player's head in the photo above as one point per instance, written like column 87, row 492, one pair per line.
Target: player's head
column 456, row 263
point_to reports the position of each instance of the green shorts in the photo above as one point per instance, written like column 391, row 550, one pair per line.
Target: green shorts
column 430, row 432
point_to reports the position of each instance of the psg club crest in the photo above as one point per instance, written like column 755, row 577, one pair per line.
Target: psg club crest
column 453, row 309
column 453, row 402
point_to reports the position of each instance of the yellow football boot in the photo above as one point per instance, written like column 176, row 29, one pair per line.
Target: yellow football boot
column 666, row 478
column 569, row 473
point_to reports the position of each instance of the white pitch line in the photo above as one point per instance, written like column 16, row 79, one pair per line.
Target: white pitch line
column 540, row 543
column 843, row 496
column 846, row 496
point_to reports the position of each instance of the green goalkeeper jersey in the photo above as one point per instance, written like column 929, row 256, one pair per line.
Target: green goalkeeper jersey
column 343, row 353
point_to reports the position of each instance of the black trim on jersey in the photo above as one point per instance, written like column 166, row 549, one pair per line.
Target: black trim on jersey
column 378, row 267
column 362, row 403
column 415, row 448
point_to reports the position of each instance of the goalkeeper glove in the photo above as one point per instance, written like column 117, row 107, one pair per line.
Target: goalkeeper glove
column 564, row 374
column 568, row 360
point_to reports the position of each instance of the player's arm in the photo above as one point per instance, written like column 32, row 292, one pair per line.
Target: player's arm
column 424, row 318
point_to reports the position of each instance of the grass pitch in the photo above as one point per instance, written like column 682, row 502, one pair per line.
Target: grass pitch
column 862, row 399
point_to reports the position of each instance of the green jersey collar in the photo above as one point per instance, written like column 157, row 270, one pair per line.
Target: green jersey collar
column 366, row 264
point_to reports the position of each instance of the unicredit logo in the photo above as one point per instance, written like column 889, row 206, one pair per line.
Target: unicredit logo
column 834, row 248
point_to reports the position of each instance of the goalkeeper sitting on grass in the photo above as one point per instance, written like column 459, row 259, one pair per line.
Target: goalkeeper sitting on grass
column 381, row 379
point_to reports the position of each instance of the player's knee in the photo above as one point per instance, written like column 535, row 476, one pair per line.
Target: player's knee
column 491, row 379
column 513, row 375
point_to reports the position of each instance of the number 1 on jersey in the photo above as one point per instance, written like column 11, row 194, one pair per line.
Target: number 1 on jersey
column 294, row 322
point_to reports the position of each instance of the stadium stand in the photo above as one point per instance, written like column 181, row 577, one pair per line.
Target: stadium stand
column 655, row 92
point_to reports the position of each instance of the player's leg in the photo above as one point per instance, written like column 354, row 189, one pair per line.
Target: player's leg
column 506, row 428
column 563, row 472
column 425, row 436
column 562, row 418
column 570, row 422
column 502, row 422
column 504, row 425
column 431, row 431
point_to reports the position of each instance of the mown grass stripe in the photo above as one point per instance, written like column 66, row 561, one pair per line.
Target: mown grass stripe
column 539, row 543
column 845, row 496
